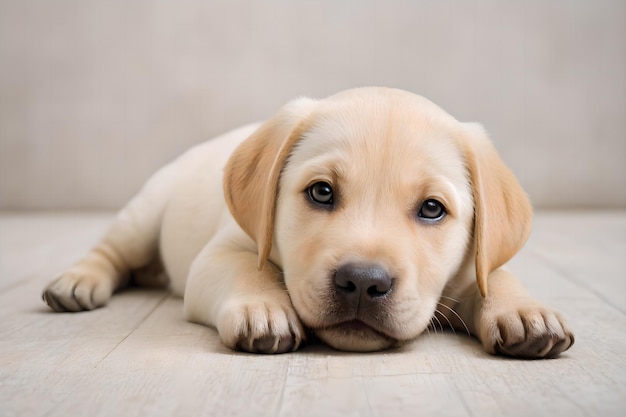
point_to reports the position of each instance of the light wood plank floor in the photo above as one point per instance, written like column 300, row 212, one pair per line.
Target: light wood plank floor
column 138, row 357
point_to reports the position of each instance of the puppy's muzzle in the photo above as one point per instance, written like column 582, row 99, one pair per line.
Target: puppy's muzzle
column 361, row 294
column 361, row 288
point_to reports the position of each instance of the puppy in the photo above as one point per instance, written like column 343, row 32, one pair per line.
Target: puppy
column 363, row 217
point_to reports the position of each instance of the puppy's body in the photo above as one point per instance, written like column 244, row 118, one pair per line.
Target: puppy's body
column 363, row 216
column 196, row 189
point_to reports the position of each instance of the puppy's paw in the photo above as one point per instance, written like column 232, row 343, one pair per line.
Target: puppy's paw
column 78, row 289
column 532, row 332
column 260, row 327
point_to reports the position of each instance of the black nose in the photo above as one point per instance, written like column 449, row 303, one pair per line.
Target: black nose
column 361, row 285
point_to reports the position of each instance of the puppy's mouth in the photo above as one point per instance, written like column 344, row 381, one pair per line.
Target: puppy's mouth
column 355, row 336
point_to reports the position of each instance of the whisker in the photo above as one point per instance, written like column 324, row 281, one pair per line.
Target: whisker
column 444, row 316
column 457, row 316
column 440, row 325
column 450, row 298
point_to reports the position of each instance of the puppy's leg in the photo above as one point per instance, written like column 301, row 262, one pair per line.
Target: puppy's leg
column 250, row 308
column 130, row 242
column 509, row 321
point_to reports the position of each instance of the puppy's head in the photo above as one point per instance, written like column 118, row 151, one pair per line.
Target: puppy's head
column 370, row 201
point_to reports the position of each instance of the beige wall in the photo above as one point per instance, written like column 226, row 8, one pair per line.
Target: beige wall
column 96, row 95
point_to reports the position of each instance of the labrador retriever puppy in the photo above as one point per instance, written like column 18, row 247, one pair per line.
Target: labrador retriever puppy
column 363, row 218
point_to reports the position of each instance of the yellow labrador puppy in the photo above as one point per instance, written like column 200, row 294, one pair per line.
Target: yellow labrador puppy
column 362, row 217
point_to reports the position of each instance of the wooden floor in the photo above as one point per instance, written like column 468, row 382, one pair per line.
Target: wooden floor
column 138, row 357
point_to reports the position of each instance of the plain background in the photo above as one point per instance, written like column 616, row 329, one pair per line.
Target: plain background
column 96, row 95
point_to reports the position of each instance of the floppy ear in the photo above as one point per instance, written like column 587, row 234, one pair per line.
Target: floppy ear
column 251, row 174
column 502, row 211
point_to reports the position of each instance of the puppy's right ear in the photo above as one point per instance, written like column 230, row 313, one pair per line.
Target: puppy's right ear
column 251, row 174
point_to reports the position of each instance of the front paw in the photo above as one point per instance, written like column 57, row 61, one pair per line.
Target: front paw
column 260, row 327
column 532, row 332
column 78, row 289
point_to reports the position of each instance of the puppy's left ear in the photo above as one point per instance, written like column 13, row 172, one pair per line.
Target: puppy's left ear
column 502, row 210
column 251, row 174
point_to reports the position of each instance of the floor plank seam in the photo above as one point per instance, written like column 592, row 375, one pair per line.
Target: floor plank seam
column 19, row 283
column 466, row 406
column 281, row 397
column 572, row 278
column 370, row 410
column 143, row 319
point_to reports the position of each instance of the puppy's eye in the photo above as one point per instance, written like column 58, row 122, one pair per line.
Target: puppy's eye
column 431, row 211
column 321, row 193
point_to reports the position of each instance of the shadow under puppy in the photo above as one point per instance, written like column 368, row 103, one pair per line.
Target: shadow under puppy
column 361, row 217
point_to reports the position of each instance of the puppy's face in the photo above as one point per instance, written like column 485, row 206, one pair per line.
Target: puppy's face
column 370, row 201
column 373, row 218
